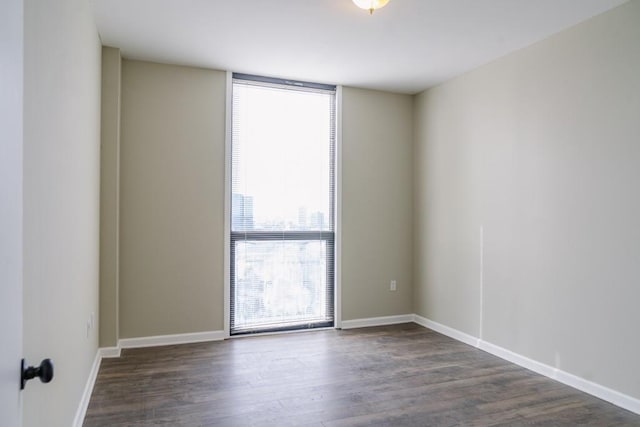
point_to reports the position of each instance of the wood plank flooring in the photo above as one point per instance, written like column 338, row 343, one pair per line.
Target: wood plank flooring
column 401, row 375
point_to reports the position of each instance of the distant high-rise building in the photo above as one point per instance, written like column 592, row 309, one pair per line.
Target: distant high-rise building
column 302, row 218
column 317, row 221
column 241, row 212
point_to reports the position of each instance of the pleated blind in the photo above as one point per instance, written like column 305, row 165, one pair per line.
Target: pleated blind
column 282, row 207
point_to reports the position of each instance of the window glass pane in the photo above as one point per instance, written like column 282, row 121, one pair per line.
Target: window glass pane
column 281, row 159
column 280, row 282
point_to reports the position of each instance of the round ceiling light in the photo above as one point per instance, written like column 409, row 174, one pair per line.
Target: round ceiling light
column 370, row 5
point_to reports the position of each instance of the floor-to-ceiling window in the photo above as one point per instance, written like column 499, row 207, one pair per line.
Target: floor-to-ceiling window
column 282, row 204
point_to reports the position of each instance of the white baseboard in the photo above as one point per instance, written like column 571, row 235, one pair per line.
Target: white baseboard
column 88, row 389
column 445, row 330
column 171, row 339
column 612, row 396
column 377, row 321
column 525, row 362
column 109, row 352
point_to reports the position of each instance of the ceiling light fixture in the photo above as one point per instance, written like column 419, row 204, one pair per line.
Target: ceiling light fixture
column 371, row 5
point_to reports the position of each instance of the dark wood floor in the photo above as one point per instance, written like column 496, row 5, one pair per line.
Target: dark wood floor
column 402, row 375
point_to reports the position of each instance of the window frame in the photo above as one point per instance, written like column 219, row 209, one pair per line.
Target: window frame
column 330, row 237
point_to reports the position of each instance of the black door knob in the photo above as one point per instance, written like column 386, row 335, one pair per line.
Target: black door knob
column 44, row 372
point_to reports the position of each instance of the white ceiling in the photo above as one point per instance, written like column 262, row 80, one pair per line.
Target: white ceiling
column 406, row 47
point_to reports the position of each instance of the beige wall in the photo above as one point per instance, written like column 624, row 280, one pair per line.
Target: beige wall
column 61, row 202
column 376, row 203
column 171, row 205
column 109, row 196
column 540, row 150
column 171, row 199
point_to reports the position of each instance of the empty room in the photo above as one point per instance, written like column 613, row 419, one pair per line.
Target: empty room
column 320, row 213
